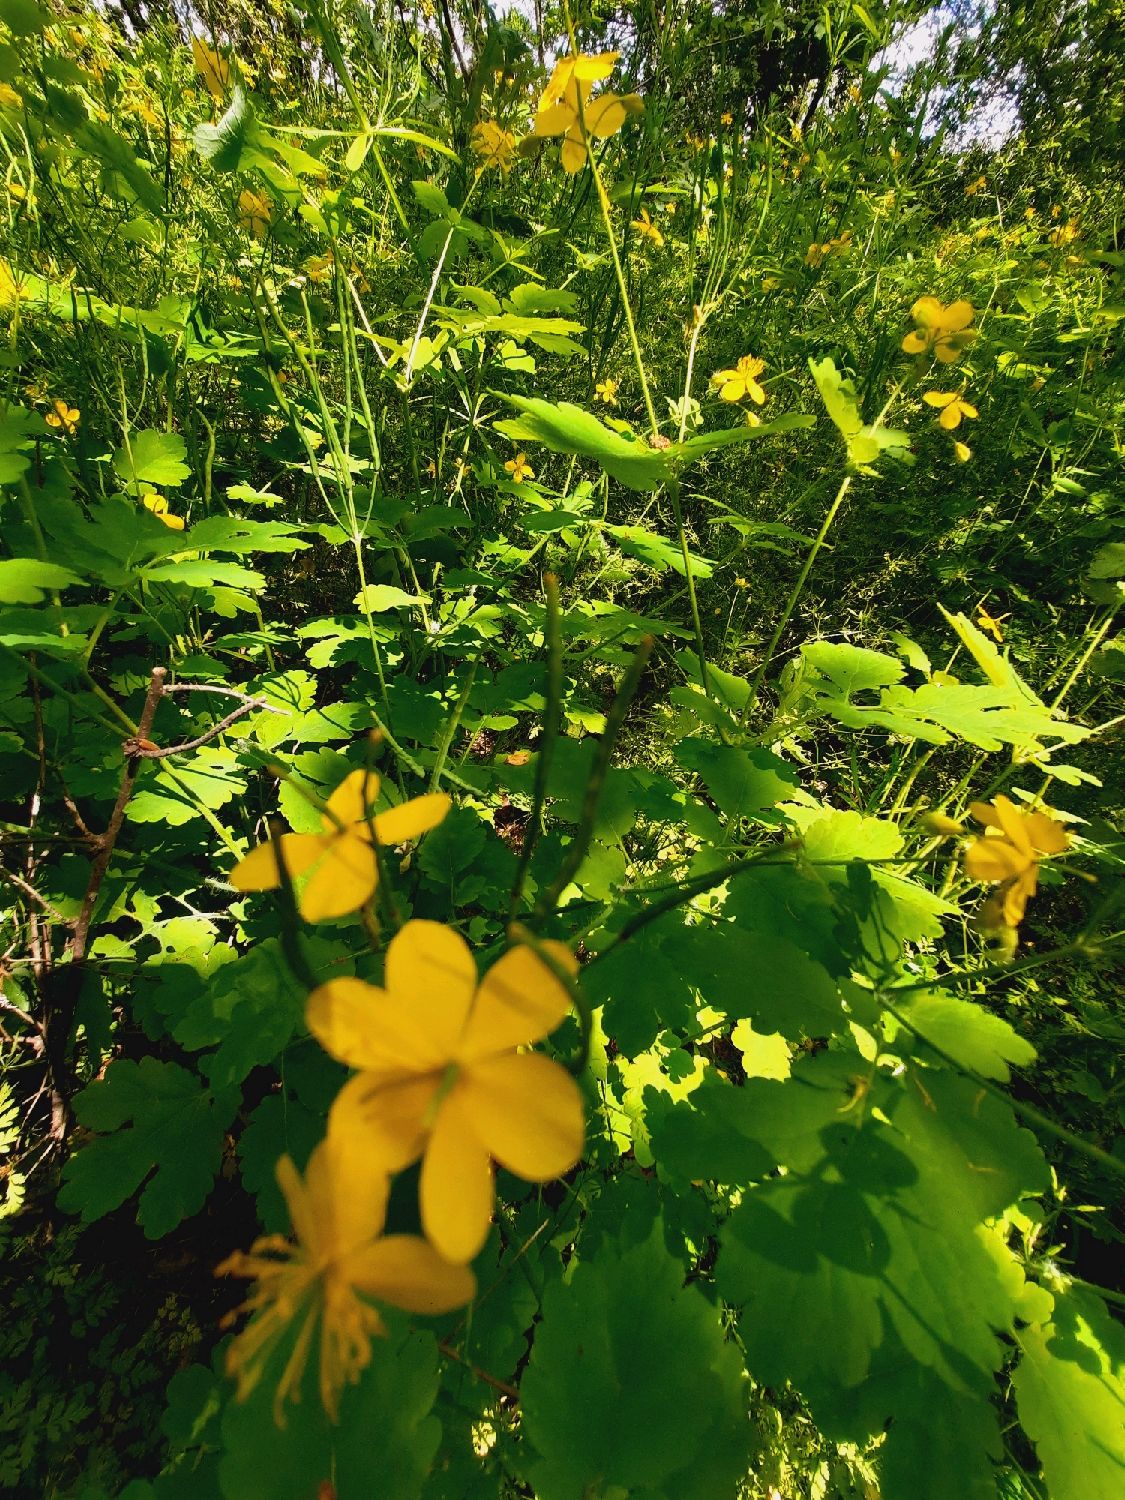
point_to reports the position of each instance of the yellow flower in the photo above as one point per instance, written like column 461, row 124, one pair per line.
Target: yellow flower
column 17, row 191
column 976, row 187
column 519, row 468
column 320, row 267
column 254, row 213
column 495, row 146
column 645, row 227
column 341, row 858
column 607, row 391
column 9, row 99
column 1009, row 854
column 63, row 416
column 35, row 392
column 441, row 1077
column 741, row 381
column 726, row 117
column 566, row 108
column 991, row 623
column 963, row 452
column 212, row 69
column 137, row 104
column 1063, row 235
column 944, row 330
column 816, row 253
column 953, row 408
column 340, row 1258
column 159, row 507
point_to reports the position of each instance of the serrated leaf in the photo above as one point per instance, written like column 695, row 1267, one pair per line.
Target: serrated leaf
column 566, row 428
column 378, row 598
column 627, row 1356
column 222, row 145
column 968, row 1033
column 152, row 457
column 742, row 782
column 159, row 1127
column 1070, row 1391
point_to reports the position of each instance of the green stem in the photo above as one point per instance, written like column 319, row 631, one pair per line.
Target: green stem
column 553, row 641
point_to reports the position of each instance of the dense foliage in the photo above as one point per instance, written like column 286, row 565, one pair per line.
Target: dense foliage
column 558, row 577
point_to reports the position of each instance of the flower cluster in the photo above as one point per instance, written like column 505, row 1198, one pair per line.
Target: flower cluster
column 442, row 1076
column 816, row 254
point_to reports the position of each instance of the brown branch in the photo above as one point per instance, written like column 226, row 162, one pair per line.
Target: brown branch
column 499, row 1385
column 142, row 751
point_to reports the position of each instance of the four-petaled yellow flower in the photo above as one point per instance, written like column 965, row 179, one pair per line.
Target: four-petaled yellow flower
column 646, row 228
column 519, row 468
column 342, row 860
column 1009, row 853
column 742, row 380
column 952, row 406
column 495, row 146
column 726, row 117
column 942, row 330
column 254, row 212
column 340, row 1258
column 320, row 267
column 159, row 507
column 607, row 391
column 441, row 1076
column 63, row 416
column 566, row 108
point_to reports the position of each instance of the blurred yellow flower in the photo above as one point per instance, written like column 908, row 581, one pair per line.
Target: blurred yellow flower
column 741, row 381
column 254, row 213
column 647, row 229
column 1009, row 855
column 566, row 108
column 9, row 99
column 138, row 105
column 726, row 117
column 341, row 858
column 63, row 416
column 211, row 68
column 815, row 254
column 942, row 330
column 519, row 468
column 495, row 146
column 159, row 507
column 607, row 391
column 976, row 187
column 1064, row 235
column 340, row 1258
column 441, row 1076
column 991, row 623
column 962, row 452
column 952, row 406
column 320, row 267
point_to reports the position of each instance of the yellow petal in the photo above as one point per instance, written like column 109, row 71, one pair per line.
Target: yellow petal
column 410, row 820
column 950, row 417
column 344, row 880
column 404, row 1271
column 431, row 975
column 755, row 392
column 258, row 871
column 1047, row 835
column 174, row 523
column 956, row 316
column 388, row 1113
column 733, row 390
column 1013, row 822
column 939, row 398
column 915, row 343
column 296, row 1197
column 963, row 452
column 573, row 155
column 928, row 312
column 554, row 120
column 519, row 1001
column 967, row 410
column 985, row 813
column 593, row 67
column 990, row 859
column 527, row 1111
column 348, row 1190
column 365, row 1027
column 456, row 1187
column 351, row 799
column 604, row 116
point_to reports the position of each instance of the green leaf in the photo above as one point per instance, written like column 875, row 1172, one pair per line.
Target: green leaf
column 864, row 443
column 970, row 1034
column 25, row 580
column 384, row 1444
column 566, row 428
column 657, row 552
column 705, row 442
column 204, row 573
column 1070, row 1392
column 233, row 534
column 158, row 1127
column 152, row 457
column 632, row 1387
column 742, row 782
column 378, row 598
column 852, row 668
column 223, row 144
column 23, row 17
